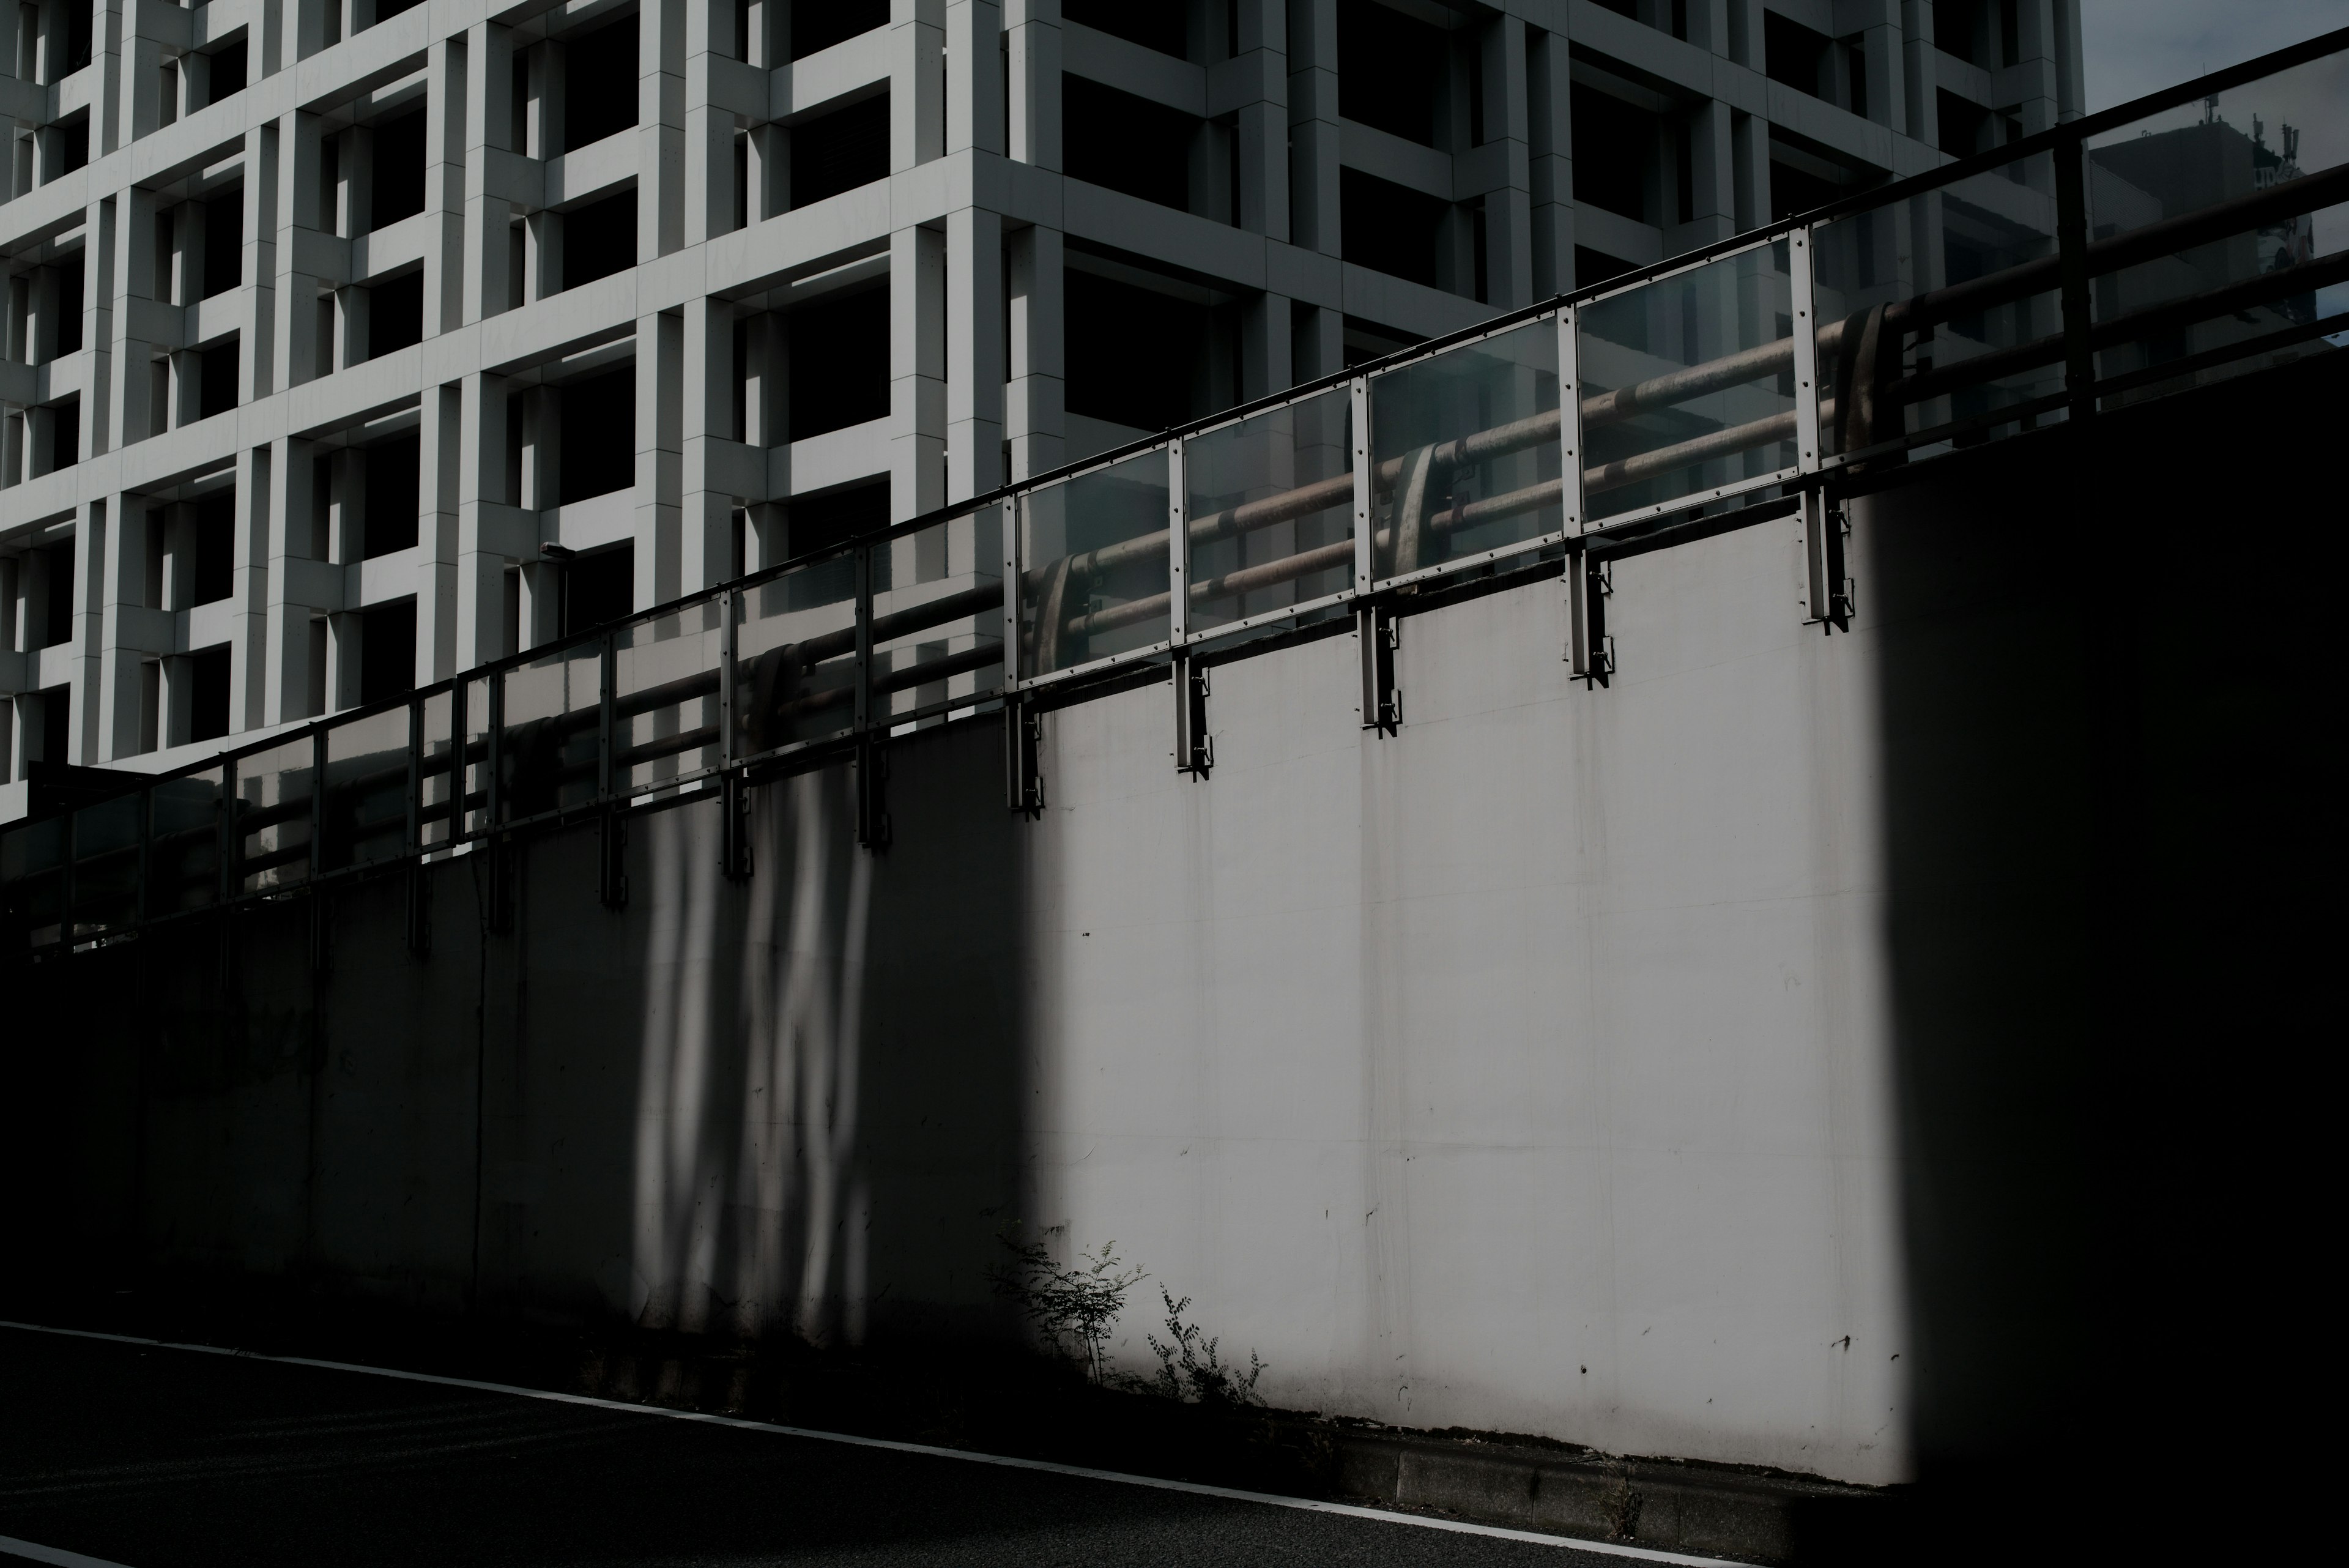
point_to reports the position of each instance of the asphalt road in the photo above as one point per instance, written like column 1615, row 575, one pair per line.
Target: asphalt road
column 155, row 1457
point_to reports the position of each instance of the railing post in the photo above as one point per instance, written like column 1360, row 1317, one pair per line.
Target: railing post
column 1374, row 627
column 1570, row 422
column 1807, row 351
column 1365, row 487
column 1194, row 752
column 2072, row 241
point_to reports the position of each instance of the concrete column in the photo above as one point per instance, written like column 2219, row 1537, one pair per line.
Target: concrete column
column 1549, row 136
column 448, row 96
column 975, row 357
column 541, row 448
column 706, row 519
column 974, row 90
column 1032, row 48
column 660, row 457
column 489, row 528
column 1508, row 207
column 98, row 261
column 1714, row 163
column 708, row 129
column 917, row 82
column 257, row 294
column 301, row 150
column 142, row 104
column 345, row 634
column 1743, row 23
column 88, row 640
column 487, row 227
column 766, row 422
column 660, row 130
column 254, row 543
column 1313, row 125
column 135, row 278
column 294, row 572
column 1921, row 73
column 1880, row 45
column 1260, row 55
column 439, row 481
column 1035, row 412
column 353, row 211
column 1266, row 322
column 917, row 369
column 127, row 634
column 347, row 507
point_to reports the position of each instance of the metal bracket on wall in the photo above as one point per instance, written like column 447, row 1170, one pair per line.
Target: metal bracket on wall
column 612, row 881
column 734, row 857
column 1375, row 628
column 1590, row 582
column 872, row 792
column 1194, row 749
column 1827, row 586
column 1023, row 739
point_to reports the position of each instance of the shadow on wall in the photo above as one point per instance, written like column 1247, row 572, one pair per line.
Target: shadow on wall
column 2105, row 835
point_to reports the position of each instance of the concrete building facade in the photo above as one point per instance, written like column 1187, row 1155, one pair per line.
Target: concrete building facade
column 348, row 347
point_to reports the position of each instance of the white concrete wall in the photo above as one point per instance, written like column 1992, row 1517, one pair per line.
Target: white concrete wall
column 1529, row 1071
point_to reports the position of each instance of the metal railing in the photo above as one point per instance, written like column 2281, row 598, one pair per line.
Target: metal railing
column 2079, row 270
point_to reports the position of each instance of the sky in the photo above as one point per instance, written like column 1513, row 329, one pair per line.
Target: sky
column 2132, row 47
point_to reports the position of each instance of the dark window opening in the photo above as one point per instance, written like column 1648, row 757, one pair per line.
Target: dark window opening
column 1627, row 9
column 2009, row 33
column 217, row 376
column 79, row 34
column 840, row 150
column 599, row 239
column 599, row 84
column 215, row 567
column 839, row 362
column 1963, row 128
column 1593, row 267
column 73, row 138
column 394, row 315
column 387, row 651
column 1390, row 69
column 1126, row 143
column 1119, row 335
column 1962, row 27
column 208, row 694
column 398, row 170
column 1856, row 68
column 1614, row 151
column 65, row 433
column 1387, row 227
column 818, row 522
column 61, row 597
column 56, row 725
column 227, row 72
column 599, row 436
column 392, row 493
column 70, row 285
column 384, row 10
column 818, row 25
column 223, row 242
column 598, row 586
column 1795, row 55
column 1793, row 190
column 1159, row 24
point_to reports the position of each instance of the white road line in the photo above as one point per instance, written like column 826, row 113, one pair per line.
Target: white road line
column 1382, row 1516
column 13, row 1547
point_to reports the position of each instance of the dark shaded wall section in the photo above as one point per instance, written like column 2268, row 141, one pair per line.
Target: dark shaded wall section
column 728, row 1107
column 2113, row 859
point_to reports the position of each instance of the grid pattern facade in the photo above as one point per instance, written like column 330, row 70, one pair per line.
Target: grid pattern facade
column 348, row 347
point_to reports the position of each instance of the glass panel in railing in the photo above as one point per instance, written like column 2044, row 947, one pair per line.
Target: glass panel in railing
column 553, row 722
column 665, row 722
column 1940, row 317
column 106, row 864
column 1465, row 447
column 1269, row 508
column 938, row 619
column 1093, row 565
column 32, row 880
column 438, row 774
column 2219, row 235
column 273, row 816
column 1688, row 384
column 364, row 818
column 796, row 657
column 474, row 808
column 183, row 844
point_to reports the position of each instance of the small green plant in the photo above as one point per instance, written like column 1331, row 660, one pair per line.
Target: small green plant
column 1188, row 1369
column 1073, row 1308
